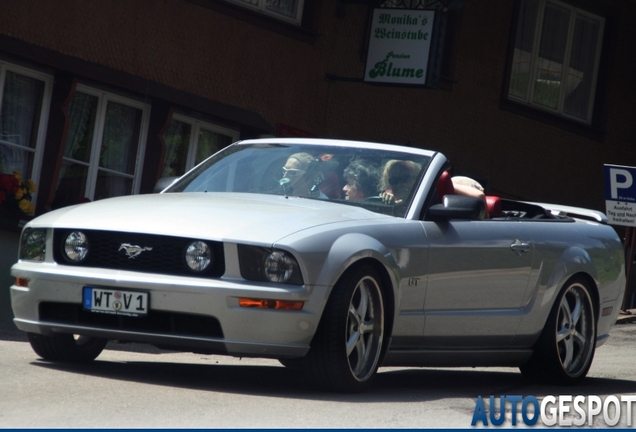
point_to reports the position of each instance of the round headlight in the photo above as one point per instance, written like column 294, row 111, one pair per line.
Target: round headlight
column 279, row 266
column 75, row 247
column 198, row 256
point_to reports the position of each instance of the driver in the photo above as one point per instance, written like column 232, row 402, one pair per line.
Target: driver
column 302, row 177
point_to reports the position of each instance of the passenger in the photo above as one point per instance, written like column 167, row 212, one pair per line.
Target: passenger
column 472, row 188
column 362, row 178
column 302, row 176
column 398, row 178
column 468, row 187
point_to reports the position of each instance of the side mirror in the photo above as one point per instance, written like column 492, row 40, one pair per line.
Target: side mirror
column 163, row 183
column 458, row 207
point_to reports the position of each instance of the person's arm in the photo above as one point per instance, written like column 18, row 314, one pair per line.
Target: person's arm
column 462, row 189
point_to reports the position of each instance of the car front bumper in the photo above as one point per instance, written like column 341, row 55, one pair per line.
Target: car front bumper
column 243, row 331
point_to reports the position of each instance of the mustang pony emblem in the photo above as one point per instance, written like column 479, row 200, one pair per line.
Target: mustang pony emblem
column 133, row 250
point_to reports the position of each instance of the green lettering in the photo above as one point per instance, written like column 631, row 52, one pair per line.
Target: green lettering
column 408, row 73
column 379, row 69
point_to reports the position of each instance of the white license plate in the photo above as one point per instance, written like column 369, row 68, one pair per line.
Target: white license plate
column 110, row 301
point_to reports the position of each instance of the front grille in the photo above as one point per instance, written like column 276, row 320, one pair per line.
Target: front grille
column 172, row 323
column 166, row 256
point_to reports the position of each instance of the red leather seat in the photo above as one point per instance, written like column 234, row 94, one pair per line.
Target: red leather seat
column 493, row 206
column 445, row 186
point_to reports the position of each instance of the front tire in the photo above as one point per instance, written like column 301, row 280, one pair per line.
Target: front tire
column 65, row 347
column 565, row 350
column 346, row 351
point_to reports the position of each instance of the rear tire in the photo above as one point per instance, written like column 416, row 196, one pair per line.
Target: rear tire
column 565, row 350
column 346, row 350
column 67, row 347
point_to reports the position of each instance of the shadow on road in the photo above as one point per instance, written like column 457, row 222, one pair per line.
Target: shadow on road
column 406, row 385
column 9, row 334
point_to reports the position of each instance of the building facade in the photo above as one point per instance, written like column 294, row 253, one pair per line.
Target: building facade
column 101, row 99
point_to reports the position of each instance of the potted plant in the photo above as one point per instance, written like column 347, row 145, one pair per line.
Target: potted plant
column 15, row 198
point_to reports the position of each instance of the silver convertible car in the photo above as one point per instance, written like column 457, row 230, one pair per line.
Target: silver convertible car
column 337, row 257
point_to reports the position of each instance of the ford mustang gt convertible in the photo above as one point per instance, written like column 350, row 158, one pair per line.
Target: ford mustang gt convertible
column 337, row 257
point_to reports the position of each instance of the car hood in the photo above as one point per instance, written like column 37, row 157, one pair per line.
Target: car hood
column 230, row 217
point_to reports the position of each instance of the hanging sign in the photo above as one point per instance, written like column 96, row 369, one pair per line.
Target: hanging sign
column 399, row 46
column 620, row 195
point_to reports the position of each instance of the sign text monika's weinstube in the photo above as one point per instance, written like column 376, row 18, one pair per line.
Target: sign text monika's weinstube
column 399, row 46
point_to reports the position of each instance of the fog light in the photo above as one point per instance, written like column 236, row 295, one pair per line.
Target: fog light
column 75, row 247
column 198, row 256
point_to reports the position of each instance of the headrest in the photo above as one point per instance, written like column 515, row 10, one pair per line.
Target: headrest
column 444, row 185
column 331, row 186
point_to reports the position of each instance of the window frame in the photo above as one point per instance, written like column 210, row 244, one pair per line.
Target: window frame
column 260, row 7
column 306, row 30
column 43, row 121
column 196, row 126
column 104, row 97
column 559, row 113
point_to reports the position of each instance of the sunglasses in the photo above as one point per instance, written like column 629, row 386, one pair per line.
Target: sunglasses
column 292, row 172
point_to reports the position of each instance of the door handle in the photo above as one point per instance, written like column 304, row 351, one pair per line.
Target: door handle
column 519, row 246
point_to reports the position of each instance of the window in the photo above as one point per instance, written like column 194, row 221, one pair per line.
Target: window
column 286, row 10
column 189, row 142
column 102, row 153
column 24, row 106
column 412, row 4
column 556, row 58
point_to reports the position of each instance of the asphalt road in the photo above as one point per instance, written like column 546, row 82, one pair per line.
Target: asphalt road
column 135, row 386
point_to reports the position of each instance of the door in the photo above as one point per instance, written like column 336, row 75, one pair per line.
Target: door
column 477, row 280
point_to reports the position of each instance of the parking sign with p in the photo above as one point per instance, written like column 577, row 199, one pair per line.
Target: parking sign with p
column 620, row 194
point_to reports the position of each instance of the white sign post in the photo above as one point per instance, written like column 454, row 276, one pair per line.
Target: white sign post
column 620, row 195
column 399, row 46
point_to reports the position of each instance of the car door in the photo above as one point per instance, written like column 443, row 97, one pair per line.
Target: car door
column 477, row 281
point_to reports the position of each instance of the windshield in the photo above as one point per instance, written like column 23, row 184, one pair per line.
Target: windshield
column 379, row 180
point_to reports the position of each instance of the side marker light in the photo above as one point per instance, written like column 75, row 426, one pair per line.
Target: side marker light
column 271, row 304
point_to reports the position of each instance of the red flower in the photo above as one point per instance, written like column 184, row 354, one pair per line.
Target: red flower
column 14, row 194
column 9, row 183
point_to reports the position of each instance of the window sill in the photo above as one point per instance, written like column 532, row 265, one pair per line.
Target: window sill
column 592, row 131
column 299, row 32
